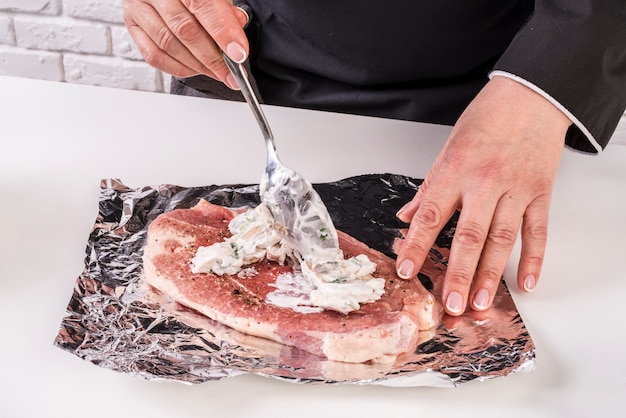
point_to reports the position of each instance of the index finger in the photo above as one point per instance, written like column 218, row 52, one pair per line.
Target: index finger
column 427, row 221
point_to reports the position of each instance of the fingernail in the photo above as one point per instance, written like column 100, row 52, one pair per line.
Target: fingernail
column 454, row 303
column 400, row 212
column 530, row 282
column 405, row 271
column 232, row 82
column 481, row 299
column 236, row 52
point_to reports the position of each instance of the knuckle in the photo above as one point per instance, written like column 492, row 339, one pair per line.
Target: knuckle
column 214, row 15
column 157, row 59
column 218, row 67
column 455, row 158
column 543, row 185
column 470, row 234
column 490, row 276
column 411, row 245
column 534, row 259
column 153, row 57
column 491, row 168
column 128, row 5
column 536, row 232
column 185, row 28
column 129, row 20
column 459, row 278
column 195, row 5
column 164, row 39
column 429, row 215
column 502, row 236
column 219, row 30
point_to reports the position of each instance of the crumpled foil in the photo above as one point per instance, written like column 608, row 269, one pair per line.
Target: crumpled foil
column 115, row 320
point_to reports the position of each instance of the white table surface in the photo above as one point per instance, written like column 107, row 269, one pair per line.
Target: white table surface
column 58, row 140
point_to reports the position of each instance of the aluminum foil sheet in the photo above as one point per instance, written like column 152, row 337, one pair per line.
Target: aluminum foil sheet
column 115, row 320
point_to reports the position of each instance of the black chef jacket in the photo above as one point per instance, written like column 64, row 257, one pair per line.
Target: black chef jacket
column 425, row 60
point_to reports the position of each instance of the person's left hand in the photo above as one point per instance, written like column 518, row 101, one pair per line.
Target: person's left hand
column 498, row 168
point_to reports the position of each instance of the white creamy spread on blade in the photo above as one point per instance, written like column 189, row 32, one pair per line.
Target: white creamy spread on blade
column 331, row 282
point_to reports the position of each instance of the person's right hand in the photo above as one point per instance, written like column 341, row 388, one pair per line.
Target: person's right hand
column 185, row 37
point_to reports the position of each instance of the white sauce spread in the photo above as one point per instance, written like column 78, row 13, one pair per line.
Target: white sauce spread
column 328, row 282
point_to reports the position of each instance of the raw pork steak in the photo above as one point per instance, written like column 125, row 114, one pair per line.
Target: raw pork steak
column 378, row 331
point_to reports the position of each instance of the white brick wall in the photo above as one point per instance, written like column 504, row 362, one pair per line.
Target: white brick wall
column 78, row 41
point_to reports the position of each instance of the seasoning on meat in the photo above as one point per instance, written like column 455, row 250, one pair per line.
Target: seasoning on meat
column 328, row 282
column 377, row 331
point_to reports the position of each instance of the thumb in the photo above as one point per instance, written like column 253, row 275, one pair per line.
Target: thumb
column 224, row 23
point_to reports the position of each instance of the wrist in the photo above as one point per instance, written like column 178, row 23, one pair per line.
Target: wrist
column 534, row 100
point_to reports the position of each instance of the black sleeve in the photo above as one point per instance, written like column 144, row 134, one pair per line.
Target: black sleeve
column 575, row 52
